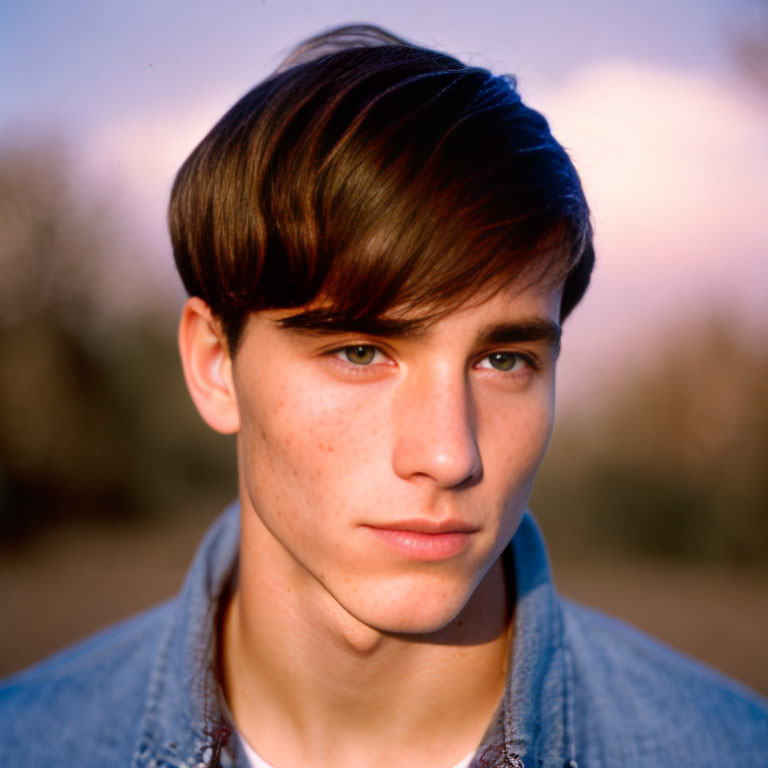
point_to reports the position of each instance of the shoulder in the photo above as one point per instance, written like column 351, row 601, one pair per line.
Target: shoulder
column 655, row 704
column 93, row 693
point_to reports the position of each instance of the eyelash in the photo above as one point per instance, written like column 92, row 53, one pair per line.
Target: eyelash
column 339, row 353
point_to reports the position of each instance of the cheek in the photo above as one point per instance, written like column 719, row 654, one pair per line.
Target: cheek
column 514, row 442
column 302, row 446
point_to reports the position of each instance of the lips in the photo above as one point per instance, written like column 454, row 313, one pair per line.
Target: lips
column 422, row 539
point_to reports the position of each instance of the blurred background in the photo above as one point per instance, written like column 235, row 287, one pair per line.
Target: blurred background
column 654, row 496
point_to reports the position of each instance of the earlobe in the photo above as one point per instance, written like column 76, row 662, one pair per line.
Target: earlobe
column 208, row 367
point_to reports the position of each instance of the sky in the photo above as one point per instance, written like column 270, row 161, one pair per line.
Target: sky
column 667, row 132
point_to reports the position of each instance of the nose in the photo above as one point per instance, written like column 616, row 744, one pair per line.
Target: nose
column 435, row 432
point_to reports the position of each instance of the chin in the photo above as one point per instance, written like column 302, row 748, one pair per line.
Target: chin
column 419, row 625
column 415, row 622
column 415, row 610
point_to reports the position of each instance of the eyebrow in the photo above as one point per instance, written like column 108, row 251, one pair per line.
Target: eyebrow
column 542, row 330
column 327, row 321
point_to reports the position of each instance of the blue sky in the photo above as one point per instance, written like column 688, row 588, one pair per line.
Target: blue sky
column 66, row 63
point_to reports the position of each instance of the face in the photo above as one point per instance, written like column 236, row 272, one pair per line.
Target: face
column 387, row 474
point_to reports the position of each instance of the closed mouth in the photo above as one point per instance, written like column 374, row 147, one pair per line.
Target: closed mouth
column 426, row 526
column 425, row 540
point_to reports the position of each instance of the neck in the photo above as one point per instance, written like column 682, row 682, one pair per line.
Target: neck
column 308, row 684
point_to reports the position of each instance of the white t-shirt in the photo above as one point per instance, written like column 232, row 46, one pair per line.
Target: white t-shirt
column 257, row 762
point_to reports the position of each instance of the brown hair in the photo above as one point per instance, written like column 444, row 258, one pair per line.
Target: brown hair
column 369, row 174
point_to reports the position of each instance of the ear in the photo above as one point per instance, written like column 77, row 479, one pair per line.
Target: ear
column 208, row 366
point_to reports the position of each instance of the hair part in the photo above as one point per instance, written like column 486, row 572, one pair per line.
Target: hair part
column 368, row 174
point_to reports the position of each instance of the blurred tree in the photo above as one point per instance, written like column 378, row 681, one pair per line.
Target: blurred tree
column 674, row 463
column 94, row 418
column 750, row 43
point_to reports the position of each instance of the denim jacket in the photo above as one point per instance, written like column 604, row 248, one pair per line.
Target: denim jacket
column 583, row 690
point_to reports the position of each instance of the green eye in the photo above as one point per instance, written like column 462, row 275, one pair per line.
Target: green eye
column 503, row 361
column 360, row 355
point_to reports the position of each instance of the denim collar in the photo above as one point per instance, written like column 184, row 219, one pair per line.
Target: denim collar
column 534, row 727
column 185, row 724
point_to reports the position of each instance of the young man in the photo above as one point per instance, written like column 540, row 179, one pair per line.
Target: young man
column 380, row 244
